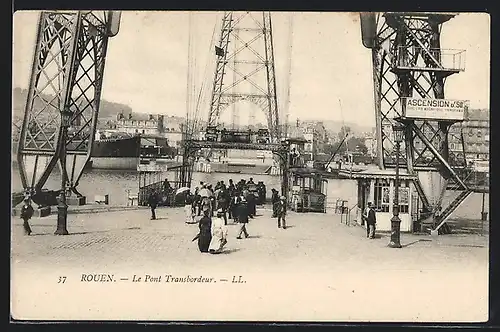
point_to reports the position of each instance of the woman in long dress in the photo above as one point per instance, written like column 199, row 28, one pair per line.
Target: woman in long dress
column 188, row 208
column 205, row 235
column 219, row 233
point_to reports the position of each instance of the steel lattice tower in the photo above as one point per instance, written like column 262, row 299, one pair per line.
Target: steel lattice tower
column 408, row 62
column 66, row 76
column 252, row 63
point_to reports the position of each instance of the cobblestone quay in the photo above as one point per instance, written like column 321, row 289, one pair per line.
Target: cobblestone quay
column 318, row 269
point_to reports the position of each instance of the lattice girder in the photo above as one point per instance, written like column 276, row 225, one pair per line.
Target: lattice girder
column 85, row 91
column 66, row 75
column 40, row 133
column 419, row 38
column 407, row 63
column 256, row 72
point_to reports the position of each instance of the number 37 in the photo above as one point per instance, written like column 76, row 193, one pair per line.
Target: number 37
column 62, row 280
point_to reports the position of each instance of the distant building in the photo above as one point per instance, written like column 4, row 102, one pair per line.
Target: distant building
column 169, row 127
column 138, row 123
column 173, row 130
column 371, row 145
column 476, row 135
column 315, row 134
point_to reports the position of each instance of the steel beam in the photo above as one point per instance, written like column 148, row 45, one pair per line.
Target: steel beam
column 254, row 36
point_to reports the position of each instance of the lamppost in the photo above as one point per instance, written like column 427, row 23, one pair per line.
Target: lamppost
column 62, row 207
column 284, row 155
column 398, row 131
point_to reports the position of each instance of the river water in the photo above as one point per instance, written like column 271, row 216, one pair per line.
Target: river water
column 117, row 183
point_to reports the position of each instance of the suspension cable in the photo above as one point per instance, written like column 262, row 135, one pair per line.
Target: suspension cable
column 202, row 90
column 289, row 73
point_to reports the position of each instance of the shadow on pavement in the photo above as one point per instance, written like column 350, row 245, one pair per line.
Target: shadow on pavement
column 254, row 237
column 229, row 251
column 380, row 236
column 87, row 232
column 416, row 241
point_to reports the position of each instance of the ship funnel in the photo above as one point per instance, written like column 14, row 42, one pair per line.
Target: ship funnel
column 114, row 17
column 368, row 28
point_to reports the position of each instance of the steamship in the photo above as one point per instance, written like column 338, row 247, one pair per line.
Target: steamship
column 123, row 151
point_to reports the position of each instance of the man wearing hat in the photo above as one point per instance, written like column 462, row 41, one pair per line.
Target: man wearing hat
column 371, row 221
column 242, row 212
column 281, row 211
column 26, row 214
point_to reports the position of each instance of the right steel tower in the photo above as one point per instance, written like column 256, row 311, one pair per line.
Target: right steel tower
column 409, row 74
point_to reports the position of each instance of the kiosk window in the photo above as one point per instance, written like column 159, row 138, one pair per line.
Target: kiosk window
column 381, row 195
column 404, row 193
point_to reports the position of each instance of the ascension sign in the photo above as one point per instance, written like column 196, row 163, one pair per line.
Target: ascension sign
column 435, row 109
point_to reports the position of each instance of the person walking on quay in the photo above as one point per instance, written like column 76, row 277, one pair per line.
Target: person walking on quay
column 205, row 198
column 242, row 212
column 281, row 211
column 274, row 201
column 371, row 221
column 26, row 214
column 223, row 203
column 219, row 233
column 250, row 198
column 213, row 201
column 231, row 186
column 188, row 208
column 232, row 204
column 153, row 203
column 197, row 202
column 204, row 236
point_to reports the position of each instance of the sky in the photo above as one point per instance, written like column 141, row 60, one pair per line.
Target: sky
column 330, row 77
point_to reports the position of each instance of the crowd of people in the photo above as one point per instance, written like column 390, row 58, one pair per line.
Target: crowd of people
column 212, row 206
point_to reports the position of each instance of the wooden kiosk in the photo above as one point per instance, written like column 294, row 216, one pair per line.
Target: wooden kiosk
column 377, row 186
column 308, row 190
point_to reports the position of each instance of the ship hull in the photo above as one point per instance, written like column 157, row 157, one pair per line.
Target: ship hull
column 115, row 154
column 114, row 163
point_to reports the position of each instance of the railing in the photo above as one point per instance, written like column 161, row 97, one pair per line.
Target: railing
column 443, row 59
column 472, row 179
column 348, row 215
column 168, row 198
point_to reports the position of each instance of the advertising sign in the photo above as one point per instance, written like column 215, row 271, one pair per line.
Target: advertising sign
column 435, row 109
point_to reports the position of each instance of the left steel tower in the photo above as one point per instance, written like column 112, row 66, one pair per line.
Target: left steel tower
column 64, row 94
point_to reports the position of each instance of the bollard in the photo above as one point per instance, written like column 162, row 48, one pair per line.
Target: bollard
column 484, row 216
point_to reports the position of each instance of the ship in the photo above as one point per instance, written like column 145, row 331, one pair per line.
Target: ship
column 115, row 150
column 124, row 151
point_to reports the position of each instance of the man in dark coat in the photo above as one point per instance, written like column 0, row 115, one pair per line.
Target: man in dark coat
column 371, row 221
column 197, row 202
column 281, row 211
column 274, row 201
column 205, row 234
column 261, row 190
column 26, row 214
column 223, row 203
column 250, row 198
column 153, row 203
column 242, row 211
column 233, row 206
column 231, row 186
